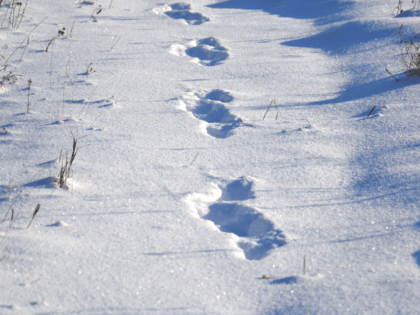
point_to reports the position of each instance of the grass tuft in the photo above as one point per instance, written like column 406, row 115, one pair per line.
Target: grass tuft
column 408, row 58
column 65, row 170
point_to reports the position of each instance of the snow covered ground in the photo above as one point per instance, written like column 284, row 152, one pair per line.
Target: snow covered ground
column 187, row 194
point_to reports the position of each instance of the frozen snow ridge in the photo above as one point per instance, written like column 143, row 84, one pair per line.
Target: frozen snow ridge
column 254, row 234
column 212, row 111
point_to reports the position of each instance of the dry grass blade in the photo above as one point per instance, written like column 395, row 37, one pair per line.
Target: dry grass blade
column 97, row 11
column 60, row 33
column 398, row 9
column 273, row 102
column 27, row 36
column 28, row 108
column 67, row 164
column 371, row 111
column 194, row 158
column 38, row 206
column 390, row 73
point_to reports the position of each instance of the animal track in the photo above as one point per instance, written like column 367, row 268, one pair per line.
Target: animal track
column 256, row 234
column 207, row 51
column 211, row 109
column 183, row 11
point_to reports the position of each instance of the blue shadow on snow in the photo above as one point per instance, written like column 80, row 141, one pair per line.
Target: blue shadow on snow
column 339, row 39
column 363, row 90
column 287, row 280
column 416, row 256
column 323, row 11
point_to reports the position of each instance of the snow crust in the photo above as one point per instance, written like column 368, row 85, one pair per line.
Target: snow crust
column 234, row 157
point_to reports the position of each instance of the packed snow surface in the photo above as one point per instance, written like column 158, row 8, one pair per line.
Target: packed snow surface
column 208, row 157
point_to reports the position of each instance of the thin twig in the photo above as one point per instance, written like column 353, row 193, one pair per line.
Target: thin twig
column 389, row 72
column 195, row 158
column 29, row 91
column 371, row 111
column 268, row 108
column 113, row 45
column 71, row 30
column 38, row 206
column 27, row 36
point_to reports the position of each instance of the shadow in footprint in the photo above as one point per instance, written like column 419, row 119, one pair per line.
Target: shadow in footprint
column 212, row 110
column 182, row 11
column 219, row 95
column 258, row 233
column 224, row 131
column 240, row 189
column 208, row 51
column 257, row 248
column 416, row 256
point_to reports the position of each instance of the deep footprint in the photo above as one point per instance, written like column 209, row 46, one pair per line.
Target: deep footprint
column 257, row 234
column 237, row 190
column 212, row 110
column 182, row 11
column 208, row 51
column 416, row 257
column 219, row 95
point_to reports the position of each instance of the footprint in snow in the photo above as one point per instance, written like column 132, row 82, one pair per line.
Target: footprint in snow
column 416, row 257
column 207, row 52
column 211, row 109
column 183, row 11
column 256, row 234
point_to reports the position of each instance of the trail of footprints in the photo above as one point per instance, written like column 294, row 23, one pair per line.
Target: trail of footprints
column 255, row 234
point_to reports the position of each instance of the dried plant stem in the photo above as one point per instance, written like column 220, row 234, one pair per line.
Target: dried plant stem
column 70, row 34
column 116, row 42
column 66, row 166
column 60, row 33
column 390, row 73
column 194, row 158
column 371, row 111
column 268, row 108
column 29, row 91
column 38, row 206
column 27, row 36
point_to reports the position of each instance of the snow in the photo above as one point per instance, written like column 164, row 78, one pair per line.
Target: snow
column 188, row 195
